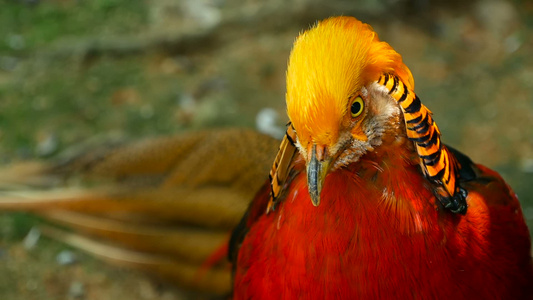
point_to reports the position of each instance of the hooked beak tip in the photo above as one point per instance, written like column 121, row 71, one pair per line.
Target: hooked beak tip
column 316, row 174
column 315, row 199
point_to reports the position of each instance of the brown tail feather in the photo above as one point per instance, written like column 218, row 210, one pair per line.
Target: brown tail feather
column 162, row 205
column 182, row 273
column 26, row 174
column 214, row 207
column 189, row 244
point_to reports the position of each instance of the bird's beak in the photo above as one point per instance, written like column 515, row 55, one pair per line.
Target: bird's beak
column 317, row 169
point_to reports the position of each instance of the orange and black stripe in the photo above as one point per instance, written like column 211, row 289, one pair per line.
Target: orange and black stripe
column 438, row 163
column 281, row 167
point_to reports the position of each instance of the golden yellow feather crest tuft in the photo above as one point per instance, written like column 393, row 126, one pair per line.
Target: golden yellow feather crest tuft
column 329, row 63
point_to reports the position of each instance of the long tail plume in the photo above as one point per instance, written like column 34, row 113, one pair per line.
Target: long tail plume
column 163, row 205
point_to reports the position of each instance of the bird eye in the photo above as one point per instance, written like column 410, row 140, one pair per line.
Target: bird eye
column 357, row 107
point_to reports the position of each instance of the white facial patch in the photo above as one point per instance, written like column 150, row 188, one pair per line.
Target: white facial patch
column 384, row 105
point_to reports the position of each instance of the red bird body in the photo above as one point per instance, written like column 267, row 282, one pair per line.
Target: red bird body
column 389, row 242
column 399, row 214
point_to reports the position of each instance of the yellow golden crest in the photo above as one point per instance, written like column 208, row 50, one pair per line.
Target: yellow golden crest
column 328, row 63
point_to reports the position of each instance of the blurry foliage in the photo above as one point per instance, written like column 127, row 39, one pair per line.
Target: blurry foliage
column 63, row 99
column 41, row 22
column 43, row 94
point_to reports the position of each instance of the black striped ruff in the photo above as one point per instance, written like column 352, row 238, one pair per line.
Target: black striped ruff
column 438, row 163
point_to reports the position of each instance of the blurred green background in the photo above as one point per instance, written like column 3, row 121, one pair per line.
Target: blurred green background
column 72, row 70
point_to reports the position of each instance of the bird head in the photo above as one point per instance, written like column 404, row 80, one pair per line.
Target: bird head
column 338, row 110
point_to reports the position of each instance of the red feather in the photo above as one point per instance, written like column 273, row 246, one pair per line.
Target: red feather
column 381, row 234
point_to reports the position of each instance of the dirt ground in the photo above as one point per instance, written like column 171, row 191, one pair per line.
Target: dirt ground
column 72, row 70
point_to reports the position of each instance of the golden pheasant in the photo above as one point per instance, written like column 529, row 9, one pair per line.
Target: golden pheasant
column 363, row 200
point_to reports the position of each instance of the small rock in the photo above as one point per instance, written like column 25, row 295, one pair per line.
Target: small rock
column 187, row 15
column 31, row 239
column 267, row 122
column 527, row 165
column 16, row 42
column 76, row 289
column 47, row 145
column 512, row 43
column 204, row 12
column 66, row 257
column 187, row 106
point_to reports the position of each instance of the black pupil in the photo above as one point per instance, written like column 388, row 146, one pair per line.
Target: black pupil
column 356, row 107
